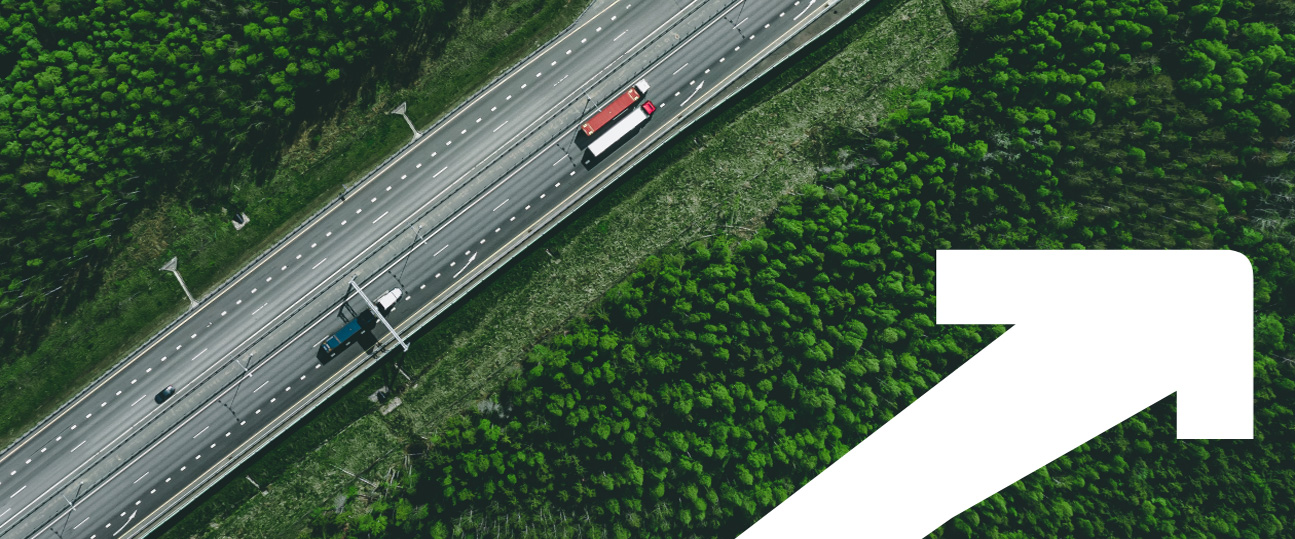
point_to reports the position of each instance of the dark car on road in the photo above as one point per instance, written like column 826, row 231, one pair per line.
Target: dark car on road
column 165, row 394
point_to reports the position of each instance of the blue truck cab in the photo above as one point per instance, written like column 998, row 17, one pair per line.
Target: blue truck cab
column 335, row 341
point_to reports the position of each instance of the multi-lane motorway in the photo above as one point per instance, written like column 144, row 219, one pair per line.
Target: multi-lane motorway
column 469, row 193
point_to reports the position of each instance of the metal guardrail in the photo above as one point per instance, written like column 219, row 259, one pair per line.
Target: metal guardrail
column 357, row 368
column 287, row 237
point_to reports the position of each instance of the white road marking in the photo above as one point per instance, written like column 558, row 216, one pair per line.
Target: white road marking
column 464, row 132
column 478, row 120
column 388, row 187
column 136, row 402
column 676, row 72
column 141, row 477
column 438, row 173
column 740, row 23
column 254, row 290
column 507, row 98
column 258, row 389
column 312, row 246
column 16, row 493
column 204, row 429
column 439, row 252
column 541, row 195
column 79, row 524
column 384, row 214
column 619, row 36
column 258, row 309
column 267, row 279
column 568, row 51
column 496, row 231
column 492, row 109
column 78, row 446
column 694, row 93
column 501, row 204
column 500, row 125
column 204, row 350
column 358, row 210
column 420, row 165
column 318, row 263
column 811, row 4
column 372, row 200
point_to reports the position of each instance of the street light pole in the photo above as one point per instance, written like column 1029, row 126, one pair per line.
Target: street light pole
column 172, row 267
column 401, row 111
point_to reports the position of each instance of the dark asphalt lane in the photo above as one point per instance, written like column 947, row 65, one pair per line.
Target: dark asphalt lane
column 468, row 191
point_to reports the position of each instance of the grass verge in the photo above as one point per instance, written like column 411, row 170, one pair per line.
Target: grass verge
column 136, row 300
column 763, row 146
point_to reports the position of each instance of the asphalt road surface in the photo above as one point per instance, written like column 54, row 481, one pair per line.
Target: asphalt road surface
column 471, row 189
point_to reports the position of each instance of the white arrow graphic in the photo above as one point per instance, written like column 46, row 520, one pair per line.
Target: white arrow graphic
column 1098, row 336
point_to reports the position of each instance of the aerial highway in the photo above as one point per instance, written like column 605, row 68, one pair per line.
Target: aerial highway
column 466, row 195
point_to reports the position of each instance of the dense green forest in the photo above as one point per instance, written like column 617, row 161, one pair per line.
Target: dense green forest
column 714, row 381
column 108, row 107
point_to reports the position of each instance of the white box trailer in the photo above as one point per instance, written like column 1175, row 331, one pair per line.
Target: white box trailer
column 623, row 127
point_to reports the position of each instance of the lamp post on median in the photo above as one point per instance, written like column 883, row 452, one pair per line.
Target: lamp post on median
column 401, row 111
column 172, row 267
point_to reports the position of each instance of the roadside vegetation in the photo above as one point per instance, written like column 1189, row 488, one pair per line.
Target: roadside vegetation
column 167, row 184
column 871, row 65
column 718, row 377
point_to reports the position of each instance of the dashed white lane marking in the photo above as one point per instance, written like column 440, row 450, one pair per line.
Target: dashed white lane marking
column 258, row 410
column 483, row 240
column 105, row 403
column 132, row 382
column 568, row 51
column 403, row 176
column 721, row 60
column 528, row 206
column 372, row 200
column 524, row 86
column 496, row 231
column 358, row 210
column 766, row 27
column 500, row 125
column 312, row 246
column 511, row 218
column 420, row 165
column 258, row 388
column 204, row 350
column 267, row 279
column 802, row 12
column 384, row 214
column 118, row 394
column 434, row 153
column 573, row 173
column 298, row 258
column 559, row 184
column 388, row 187
column 707, row 72
column 501, row 204
column 676, row 72
column 213, row 446
column 197, row 457
column 16, row 493
column 438, row 276
column 178, row 346
column 438, row 173
column 737, row 48
column 541, row 195
column 553, row 63
column 204, row 429
column 464, row 132
column 448, row 142
column 303, row 377
column 422, row 287
column 439, row 252
column 492, row 109
column 289, row 388
column 258, row 309
column 239, row 302
column 318, row 263
column 619, row 36
column 584, row 40
column 141, row 477
column 194, row 336
column 87, row 416
column 599, row 29
column 478, row 120
column 327, row 234
column 507, row 98
column 148, row 370
column 182, row 468
column 751, row 37
column 136, row 402
column 286, row 267
column 254, row 290
column 272, row 400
